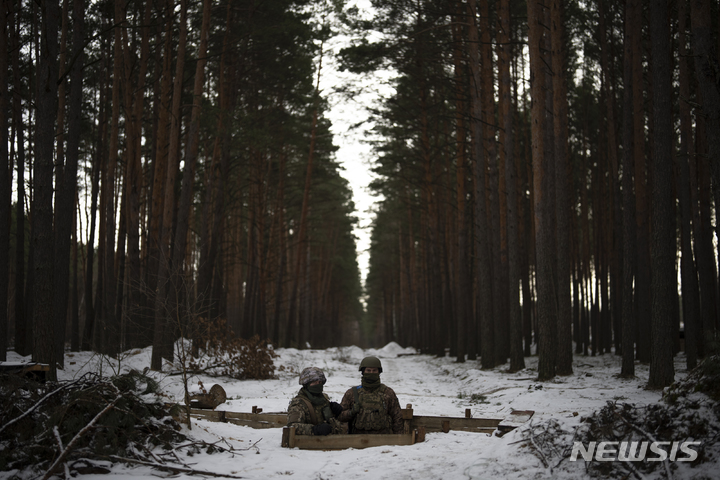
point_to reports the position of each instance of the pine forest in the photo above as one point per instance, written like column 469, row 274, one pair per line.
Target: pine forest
column 545, row 178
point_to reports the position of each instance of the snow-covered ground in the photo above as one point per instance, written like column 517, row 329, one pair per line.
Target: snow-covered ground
column 434, row 386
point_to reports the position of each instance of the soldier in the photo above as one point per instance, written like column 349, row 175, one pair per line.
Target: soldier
column 311, row 412
column 371, row 407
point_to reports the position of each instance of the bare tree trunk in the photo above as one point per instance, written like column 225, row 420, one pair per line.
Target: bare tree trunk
column 111, row 332
column 706, row 62
column 5, row 182
column 42, row 234
column 507, row 139
column 67, row 183
column 616, row 251
column 482, row 245
column 162, row 346
column 215, row 191
column 74, row 307
column 293, row 325
column 134, row 108
column 628, row 168
column 562, row 192
column 664, row 277
column 689, row 278
column 461, row 280
column 91, row 305
column 547, row 342
column 495, row 203
column 177, row 286
column 642, row 214
column 22, row 339
column 164, row 174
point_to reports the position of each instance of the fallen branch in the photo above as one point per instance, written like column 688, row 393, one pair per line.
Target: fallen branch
column 652, row 439
column 634, row 470
column 214, row 445
column 34, row 407
column 172, row 469
column 77, row 437
column 531, row 436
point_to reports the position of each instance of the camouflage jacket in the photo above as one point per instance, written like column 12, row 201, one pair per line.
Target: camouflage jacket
column 391, row 404
column 300, row 416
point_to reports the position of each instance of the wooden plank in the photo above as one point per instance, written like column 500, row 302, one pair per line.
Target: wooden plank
column 254, row 420
column 514, row 420
column 33, row 370
column 445, row 424
column 209, row 415
column 257, row 420
column 285, row 442
column 429, row 423
column 341, row 442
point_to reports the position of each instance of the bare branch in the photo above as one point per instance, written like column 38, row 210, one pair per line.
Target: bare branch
column 172, row 469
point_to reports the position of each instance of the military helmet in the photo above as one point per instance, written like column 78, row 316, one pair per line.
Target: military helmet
column 310, row 374
column 372, row 362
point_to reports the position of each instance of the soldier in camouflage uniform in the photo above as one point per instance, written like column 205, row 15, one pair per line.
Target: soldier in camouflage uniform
column 371, row 407
column 311, row 412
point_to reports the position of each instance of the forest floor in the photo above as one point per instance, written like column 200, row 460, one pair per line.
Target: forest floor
column 434, row 386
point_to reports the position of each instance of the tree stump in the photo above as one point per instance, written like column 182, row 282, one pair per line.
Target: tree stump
column 210, row 400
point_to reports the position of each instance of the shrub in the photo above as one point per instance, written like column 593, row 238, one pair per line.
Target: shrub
column 222, row 353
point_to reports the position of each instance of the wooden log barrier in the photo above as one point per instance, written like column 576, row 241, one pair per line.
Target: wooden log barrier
column 341, row 442
column 445, row 424
column 254, row 420
column 407, row 415
column 411, row 422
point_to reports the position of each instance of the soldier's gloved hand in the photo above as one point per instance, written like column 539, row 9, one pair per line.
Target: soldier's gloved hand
column 336, row 408
column 322, row 429
column 355, row 408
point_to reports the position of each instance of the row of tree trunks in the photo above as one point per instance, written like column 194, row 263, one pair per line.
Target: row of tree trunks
column 5, row 179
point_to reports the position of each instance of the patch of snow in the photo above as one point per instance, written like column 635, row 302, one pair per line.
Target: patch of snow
column 392, row 349
column 434, row 386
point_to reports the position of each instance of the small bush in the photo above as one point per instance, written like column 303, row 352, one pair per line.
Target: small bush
column 473, row 398
column 222, row 353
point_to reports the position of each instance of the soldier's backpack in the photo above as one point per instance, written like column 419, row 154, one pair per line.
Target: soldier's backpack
column 373, row 414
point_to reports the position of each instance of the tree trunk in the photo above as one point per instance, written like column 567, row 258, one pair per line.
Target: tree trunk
column 689, row 278
column 214, row 205
column 5, row 182
column 178, row 288
column 616, row 250
column 22, row 339
column 628, row 168
column 42, row 234
column 162, row 346
column 499, row 274
column 164, row 172
column 74, row 308
column 483, row 267
column 461, row 280
column 111, row 333
column 134, row 108
column 706, row 62
column 562, row 192
column 67, row 183
column 294, row 320
column 664, row 277
column 547, row 342
column 507, row 139
column 89, row 329
column 642, row 214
